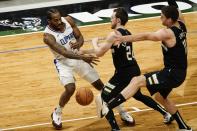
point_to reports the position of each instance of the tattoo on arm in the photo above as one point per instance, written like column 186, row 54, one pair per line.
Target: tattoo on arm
column 51, row 42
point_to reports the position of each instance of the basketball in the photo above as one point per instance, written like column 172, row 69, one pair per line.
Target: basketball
column 84, row 96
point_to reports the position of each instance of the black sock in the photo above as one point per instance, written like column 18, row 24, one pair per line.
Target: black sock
column 180, row 122
column 149, row 102
column 160, row 109
column 112, row 121
column 116, row 101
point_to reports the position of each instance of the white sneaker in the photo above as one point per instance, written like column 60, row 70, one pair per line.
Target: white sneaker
column 128, row 119
column 168, row 118
column 56, row 120
column 101, row 107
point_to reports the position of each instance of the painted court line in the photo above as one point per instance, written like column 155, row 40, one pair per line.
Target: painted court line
column 37, row 47
column 86, row 118
column 24, row 49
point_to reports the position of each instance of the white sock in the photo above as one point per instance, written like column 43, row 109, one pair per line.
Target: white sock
column 58, row 109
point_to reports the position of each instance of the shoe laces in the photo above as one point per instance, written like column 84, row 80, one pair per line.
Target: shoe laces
column 167, row 117
column 126, row 116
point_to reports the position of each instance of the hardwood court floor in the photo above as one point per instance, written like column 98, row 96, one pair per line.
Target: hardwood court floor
column 30, row 89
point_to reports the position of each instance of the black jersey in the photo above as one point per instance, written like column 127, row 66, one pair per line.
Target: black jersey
column 176, row 57
column 123, row 55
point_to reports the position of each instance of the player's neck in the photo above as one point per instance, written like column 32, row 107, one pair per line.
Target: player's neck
column 175, row 24
column 120, row 26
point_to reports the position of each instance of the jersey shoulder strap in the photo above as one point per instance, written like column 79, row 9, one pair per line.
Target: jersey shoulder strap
column 123, row 31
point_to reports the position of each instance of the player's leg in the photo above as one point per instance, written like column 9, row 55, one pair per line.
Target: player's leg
column 129, row 91
column 163, row 82
column 125, row 117
column 110, row 91
column 64, row 98
column 68, row 92
column 147, row 100
column 67, row 79
column 170, row 107
column 90, row 74
column 136, row 83
column 106, row 96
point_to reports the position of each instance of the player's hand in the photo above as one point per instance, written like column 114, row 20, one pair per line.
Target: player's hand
column 81, row 52
column 74, row 44
column 90, row 59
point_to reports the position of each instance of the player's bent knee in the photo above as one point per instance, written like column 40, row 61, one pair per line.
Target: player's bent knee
column 70, row 89
column 139, row 81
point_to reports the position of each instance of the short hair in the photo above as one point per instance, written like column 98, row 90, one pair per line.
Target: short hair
column 122, row 14
column 170, row 12
column 51, row 11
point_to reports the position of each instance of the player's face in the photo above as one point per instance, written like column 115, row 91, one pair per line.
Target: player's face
column 113, row 21
column 165, row 21
column 56, row 21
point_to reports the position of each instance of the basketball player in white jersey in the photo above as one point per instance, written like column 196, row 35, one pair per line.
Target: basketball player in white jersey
column 64, row 39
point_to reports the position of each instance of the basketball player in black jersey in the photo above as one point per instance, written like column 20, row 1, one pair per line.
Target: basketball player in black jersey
column 126, row 67
column 174, row 46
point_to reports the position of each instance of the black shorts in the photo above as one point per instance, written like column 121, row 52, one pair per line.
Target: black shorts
column 164, row 81
column 118, row 82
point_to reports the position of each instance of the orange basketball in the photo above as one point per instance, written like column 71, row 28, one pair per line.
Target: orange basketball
column 84, row 96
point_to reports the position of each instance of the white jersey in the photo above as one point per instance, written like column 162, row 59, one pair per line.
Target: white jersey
column 62, row 38
column 66, row 66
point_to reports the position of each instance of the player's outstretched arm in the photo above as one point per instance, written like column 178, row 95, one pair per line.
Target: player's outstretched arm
column 160, row 35
column 102, row 48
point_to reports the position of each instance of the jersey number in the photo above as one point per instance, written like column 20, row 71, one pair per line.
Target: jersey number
column 129, row 53
column 185, row 45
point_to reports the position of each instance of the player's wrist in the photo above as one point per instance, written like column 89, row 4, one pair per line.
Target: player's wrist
column 126, row 38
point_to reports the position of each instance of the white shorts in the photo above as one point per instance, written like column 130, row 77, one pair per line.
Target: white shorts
column 67, row 67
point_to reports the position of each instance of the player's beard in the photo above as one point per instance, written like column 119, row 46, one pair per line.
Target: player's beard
column 58, row 27
column 113, row 26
